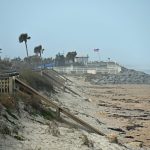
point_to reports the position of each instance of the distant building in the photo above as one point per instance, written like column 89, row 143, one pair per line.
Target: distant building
column 82, row 59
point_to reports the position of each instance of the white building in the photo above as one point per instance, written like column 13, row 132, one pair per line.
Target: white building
column 82, row 59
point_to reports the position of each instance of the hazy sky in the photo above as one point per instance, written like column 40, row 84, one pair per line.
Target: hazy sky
column 120, row 28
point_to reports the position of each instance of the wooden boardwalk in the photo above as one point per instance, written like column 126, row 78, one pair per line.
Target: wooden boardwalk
column 9, row 83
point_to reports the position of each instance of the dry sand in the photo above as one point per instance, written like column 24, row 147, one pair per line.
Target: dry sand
column 121, row 110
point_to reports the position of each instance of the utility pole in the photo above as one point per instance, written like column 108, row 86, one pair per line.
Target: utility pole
column 98, row 51
column 0, row 52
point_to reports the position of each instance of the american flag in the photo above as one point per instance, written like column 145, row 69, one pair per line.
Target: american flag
column 96, row 49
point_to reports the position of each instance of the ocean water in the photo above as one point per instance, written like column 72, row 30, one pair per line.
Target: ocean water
column 139, row 68
column 145, row 70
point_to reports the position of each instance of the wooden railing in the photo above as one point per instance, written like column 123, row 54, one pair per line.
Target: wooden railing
column 6, row 85
column 7, row 82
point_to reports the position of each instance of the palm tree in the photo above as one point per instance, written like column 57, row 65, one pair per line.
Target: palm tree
column 23, row 38
column 38, row 50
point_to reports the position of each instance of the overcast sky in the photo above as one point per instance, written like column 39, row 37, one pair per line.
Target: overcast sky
column 119, row 28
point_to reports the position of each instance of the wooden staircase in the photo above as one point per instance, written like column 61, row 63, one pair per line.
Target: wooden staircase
column 26, row 88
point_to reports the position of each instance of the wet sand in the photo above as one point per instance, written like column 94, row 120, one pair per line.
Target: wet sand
column 124, row 109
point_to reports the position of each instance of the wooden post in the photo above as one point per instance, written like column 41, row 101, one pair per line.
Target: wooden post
column 10, row 86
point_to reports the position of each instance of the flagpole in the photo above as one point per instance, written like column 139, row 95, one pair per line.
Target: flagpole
column 97, row 51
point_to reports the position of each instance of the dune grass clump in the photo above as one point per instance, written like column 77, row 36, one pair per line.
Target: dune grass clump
column 7, row 101
column 53, row 128
column 112, row 138
column 36, row 81
column 33, row 105
column 86, row 141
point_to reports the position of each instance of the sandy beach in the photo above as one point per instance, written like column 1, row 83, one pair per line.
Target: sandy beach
column 118, row 110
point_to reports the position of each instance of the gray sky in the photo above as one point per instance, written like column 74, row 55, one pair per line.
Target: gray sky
column 119, row 28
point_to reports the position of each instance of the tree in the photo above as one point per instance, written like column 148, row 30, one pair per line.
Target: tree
column 23, row 38
column 48, row 60
column 71, row 56
column 38, row 50
column 60, row 60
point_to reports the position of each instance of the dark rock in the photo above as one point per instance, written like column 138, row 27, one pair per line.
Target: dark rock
column 126, row 76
